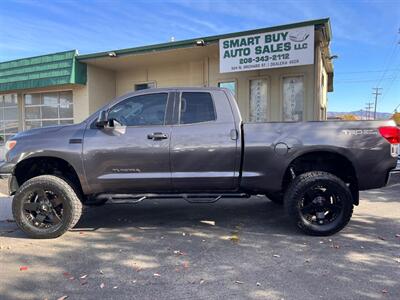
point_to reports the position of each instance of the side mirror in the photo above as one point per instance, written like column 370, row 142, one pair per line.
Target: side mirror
column 102, row 120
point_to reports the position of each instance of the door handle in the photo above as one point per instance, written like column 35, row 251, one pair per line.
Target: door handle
column 157, row 136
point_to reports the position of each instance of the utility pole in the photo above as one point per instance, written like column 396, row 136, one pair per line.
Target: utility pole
column 376, row 93
column 368, row 107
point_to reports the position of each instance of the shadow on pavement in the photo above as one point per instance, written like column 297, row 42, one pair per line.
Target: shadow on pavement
column 168, row 249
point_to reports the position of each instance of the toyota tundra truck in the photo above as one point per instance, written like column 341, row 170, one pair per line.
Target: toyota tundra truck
column 192, row 143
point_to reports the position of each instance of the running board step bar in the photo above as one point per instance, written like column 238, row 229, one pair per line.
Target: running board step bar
column 191, row 198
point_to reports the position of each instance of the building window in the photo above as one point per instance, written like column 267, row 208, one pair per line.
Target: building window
column 259, row 100
column 8, row 117
column 230, row 85
column 47, row 109
column 293, row 98
column 146, row 85
column 196, row 108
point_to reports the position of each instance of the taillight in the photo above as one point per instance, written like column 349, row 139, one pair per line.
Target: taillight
column 391, row 133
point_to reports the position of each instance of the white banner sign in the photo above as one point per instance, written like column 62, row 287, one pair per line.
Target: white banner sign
column 284, row 48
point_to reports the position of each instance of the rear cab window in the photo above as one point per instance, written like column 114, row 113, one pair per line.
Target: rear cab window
column 196, row 107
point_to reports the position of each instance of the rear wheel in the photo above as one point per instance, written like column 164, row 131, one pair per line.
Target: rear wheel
column 46, row 207
column 319, row 203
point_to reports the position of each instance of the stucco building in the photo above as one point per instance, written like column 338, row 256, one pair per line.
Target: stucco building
column 280, row 73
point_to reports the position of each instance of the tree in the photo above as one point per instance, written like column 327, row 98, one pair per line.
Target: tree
column 396, row 118
column 349, row 117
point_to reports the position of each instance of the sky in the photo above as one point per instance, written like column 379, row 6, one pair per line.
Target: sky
column 366, row 34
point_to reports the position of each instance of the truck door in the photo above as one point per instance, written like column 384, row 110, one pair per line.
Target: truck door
column 203, row 142
column 133, row 155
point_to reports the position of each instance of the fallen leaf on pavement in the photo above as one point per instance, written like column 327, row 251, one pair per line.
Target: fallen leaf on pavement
column 234, row 238
column 208, row 222
column 23, row 268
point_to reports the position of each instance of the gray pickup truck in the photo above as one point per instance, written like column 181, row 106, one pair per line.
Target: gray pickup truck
column 192, row 143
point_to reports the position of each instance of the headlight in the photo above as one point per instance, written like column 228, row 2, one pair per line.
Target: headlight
column 10, row 144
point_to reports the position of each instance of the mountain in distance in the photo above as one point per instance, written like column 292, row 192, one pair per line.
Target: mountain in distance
column 360, row 114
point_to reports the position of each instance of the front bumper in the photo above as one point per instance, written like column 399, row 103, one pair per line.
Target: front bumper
column 7, row 179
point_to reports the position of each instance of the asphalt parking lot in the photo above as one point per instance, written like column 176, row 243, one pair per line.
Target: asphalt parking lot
column 233, row 249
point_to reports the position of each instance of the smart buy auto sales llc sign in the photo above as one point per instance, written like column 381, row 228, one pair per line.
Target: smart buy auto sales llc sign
column 284, row 48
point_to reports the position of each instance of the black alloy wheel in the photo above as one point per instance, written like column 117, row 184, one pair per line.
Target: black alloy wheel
column 319, row 203
column 46, row 206
column 43, row 209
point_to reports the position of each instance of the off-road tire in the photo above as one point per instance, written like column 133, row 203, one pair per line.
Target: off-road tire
column 304, row 182
column 72, row 206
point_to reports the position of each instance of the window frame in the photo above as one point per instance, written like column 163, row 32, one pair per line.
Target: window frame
column 178, row 106
column 41, row 119
column 282, row 104
column 167, row 104
column 269, row 100
column 3, row 120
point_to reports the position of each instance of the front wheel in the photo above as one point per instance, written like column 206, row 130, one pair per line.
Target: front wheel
column 46, row 207
column 319, row 203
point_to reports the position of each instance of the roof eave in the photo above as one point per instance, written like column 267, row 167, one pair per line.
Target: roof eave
column 207, row 39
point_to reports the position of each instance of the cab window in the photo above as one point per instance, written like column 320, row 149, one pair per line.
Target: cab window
column 141, row 110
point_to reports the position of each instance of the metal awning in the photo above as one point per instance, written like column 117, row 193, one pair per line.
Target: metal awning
column 42, row 71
